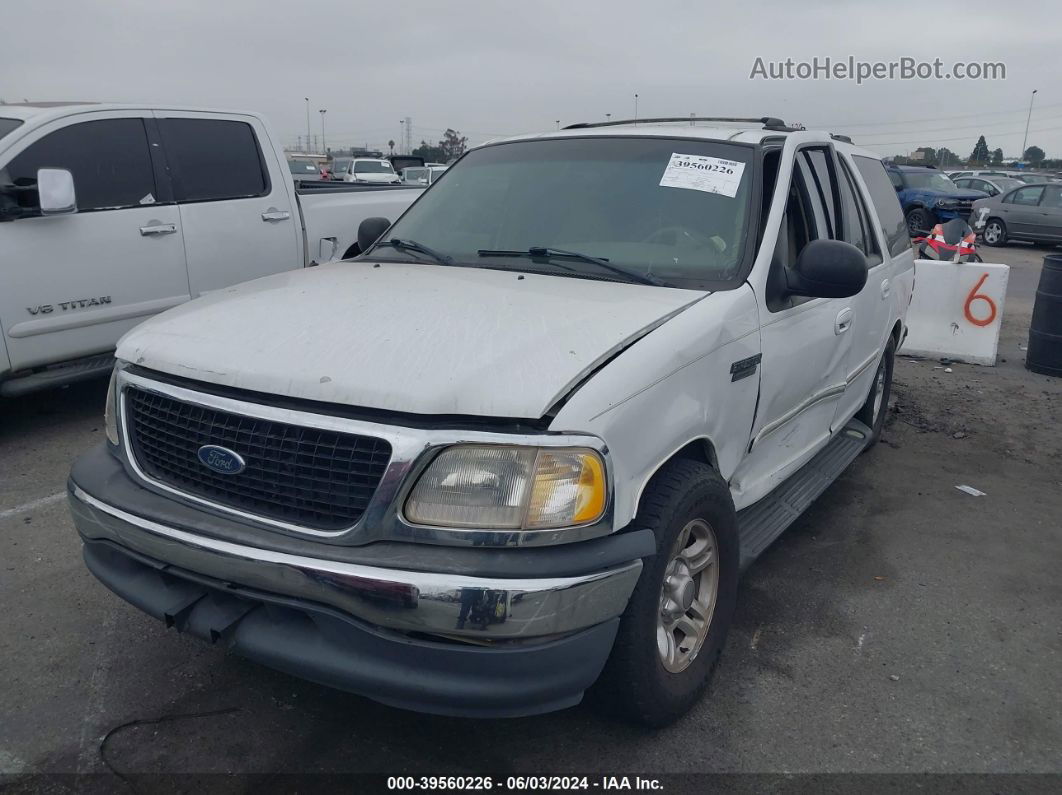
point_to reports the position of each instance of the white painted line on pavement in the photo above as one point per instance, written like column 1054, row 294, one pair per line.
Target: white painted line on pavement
column 32, row 504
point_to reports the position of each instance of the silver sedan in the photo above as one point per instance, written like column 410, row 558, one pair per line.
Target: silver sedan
column 1031, row 212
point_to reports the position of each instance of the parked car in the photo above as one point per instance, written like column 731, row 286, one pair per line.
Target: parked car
column 928, row 197
column 530, row 438
column 989, row 185
column 422, row 176
column 979, row 173
column 366, row 170
column 1030, row 212
column 305, row 168
column 112, row 213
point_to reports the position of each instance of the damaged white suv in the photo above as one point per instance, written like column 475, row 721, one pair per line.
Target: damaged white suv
column 528, row 439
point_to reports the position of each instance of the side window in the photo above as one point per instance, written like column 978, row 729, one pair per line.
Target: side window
column 886, row 204
column 109, row 159
column 1052, row 196
column 804, row 218
column 823, row 180
column 857, row 228
column 1028, row 196
column 896, row 180
column 212, row 159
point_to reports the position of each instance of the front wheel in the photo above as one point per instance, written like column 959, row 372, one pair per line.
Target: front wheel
column 995, row 233
column 676, row 622
column 919, row 222
column 876, row 407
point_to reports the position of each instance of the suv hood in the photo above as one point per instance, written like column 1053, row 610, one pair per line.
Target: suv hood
column 426, row 339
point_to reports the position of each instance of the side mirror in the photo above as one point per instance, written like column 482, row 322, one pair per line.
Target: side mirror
column 828, row 269
column 898, row 188
column 370, row 230
column 55, row 187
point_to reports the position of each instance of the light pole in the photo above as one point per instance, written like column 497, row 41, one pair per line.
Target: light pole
column 401, row 134
column 636, row 108
column 608, row 117
column 558, row 124
column 307, row 123
column 1025, row 141
column 324, row 146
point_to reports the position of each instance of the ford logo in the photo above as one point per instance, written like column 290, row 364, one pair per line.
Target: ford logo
column 221, row 459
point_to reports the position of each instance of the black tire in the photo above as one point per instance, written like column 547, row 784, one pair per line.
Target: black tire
column 919, row 221
column 867, row 415
column 635, row 684
column 998, row 238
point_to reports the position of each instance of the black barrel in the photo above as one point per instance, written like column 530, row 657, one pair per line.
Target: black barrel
column 1045, row 334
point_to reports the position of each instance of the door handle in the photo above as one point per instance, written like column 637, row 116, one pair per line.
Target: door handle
column 273, row 214
column 844, row 320
column 886, row 288
column 155, row 228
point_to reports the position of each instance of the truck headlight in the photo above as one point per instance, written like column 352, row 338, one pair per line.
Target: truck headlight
column 518, row 488
column 110, row 409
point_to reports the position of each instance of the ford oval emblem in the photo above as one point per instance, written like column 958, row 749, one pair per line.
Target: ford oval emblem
column 221, row 459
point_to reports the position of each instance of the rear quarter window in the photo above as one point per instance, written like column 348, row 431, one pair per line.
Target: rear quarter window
column 886, row 204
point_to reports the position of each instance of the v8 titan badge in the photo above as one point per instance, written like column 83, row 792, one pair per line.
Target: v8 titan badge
column 708, row 174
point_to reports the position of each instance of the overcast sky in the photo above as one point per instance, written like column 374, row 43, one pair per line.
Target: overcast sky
column 490, row 68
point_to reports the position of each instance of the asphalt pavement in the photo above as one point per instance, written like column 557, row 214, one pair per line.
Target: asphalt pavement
column 901, row 625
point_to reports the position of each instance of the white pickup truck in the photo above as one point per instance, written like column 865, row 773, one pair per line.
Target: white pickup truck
column 528, row 440
column 111, row 213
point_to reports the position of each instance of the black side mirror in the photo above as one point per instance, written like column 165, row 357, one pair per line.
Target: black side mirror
column 828, row 269
column 370, row 230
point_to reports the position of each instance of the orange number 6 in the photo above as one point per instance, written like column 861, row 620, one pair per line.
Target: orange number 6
column 976, row 296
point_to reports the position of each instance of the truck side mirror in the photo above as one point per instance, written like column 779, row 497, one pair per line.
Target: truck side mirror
column 370, row 230
column 828, row 269
column 55, row 187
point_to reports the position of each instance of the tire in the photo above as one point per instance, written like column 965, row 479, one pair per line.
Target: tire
column 873, row 412
column 919, row 221
column 996, row 230
column 636, row 684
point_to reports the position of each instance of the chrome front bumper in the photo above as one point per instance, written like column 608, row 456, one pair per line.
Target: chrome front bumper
column 444, row 605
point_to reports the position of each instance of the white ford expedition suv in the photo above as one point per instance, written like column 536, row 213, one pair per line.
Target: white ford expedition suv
column 526, row 442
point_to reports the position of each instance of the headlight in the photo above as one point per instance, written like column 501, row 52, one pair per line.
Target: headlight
column 110, row 410
column 518, row 488
column 947, row 204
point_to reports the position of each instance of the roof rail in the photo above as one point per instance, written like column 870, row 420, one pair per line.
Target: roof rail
column 838, row 137
column 768, row 122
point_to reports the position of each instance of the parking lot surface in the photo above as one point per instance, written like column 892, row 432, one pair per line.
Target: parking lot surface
column 900, row 625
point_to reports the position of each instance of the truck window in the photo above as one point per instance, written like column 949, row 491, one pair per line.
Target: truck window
column 886, row 204
column 857, row 229
column 213, row 160
column 109, row 160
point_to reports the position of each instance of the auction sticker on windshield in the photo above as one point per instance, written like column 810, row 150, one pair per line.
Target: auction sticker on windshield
column 699, row 172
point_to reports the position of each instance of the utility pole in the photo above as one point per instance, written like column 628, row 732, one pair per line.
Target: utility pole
column 324, row 146
column 635, row 108
column 409, row 135
column 402, row 136
column 1025, row 142
column 307, row 122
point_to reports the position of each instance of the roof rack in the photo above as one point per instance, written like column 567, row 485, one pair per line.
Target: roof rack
column 767, row 122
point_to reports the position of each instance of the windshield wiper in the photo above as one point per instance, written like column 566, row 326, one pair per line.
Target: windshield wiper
column 420, row 248
column 547, row 252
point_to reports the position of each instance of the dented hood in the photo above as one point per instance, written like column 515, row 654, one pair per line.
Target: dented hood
column 426, row 339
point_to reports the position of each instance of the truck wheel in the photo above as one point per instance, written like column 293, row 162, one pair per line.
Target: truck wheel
column 676, row 622
column 876, row 407
column 919, row 222
column 995, row 233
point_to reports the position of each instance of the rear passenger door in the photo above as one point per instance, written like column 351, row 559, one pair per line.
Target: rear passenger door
column 236, row 210
column 71, row 285
column 1021, row 210
column 1049, row 226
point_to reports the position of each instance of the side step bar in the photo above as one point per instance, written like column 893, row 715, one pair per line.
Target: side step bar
column 58, row 375
column 760, row 524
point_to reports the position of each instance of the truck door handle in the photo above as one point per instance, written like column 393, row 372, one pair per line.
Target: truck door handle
column 886, row 288
column 155, row 228
column 273, row 214
column 844, row 321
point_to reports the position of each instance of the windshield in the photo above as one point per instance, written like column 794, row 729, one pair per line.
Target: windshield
column 340, row 166
column 676, row 210
column 929, row 180
column 302, row 167
column 7, row 125
column 373, row 167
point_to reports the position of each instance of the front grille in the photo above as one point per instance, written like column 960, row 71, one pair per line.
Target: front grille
column 308, row 477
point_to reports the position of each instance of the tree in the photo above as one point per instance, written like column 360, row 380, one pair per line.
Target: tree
column 1034, row 155
column 391, row 146
column 997, row 157
column 929, row 155
column 980, row 154
column 431, row 154
column 453, row 145
column 946, row 158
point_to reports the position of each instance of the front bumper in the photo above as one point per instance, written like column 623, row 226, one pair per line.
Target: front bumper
column 454, row 643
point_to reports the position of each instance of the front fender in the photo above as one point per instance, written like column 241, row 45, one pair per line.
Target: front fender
column 672, row 387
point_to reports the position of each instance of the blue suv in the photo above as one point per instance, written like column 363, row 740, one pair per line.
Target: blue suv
column 928, row 197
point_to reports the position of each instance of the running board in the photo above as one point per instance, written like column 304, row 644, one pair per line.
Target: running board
column 58, row 375
column 760, row 524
